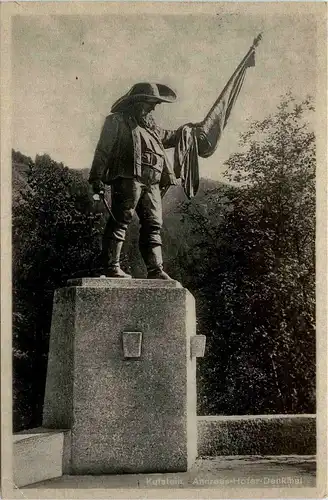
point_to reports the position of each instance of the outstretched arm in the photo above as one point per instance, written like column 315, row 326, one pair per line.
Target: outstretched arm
column 169, row 138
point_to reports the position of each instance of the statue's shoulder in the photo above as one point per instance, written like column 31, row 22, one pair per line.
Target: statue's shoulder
column 114, row 121
column 115, row 118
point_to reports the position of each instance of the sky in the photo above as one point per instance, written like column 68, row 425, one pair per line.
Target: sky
column 67, row 70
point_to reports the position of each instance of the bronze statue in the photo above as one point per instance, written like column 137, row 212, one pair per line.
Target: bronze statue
column 130, row 157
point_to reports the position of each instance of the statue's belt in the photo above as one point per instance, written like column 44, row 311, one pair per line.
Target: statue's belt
column 153, row 160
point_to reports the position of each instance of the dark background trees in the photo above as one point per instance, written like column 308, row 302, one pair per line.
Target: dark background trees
column 245, row 249
column 255, row 272
column 54, row 235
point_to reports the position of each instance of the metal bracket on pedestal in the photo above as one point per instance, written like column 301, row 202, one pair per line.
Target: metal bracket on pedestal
column 132, row 344
column 197, row 346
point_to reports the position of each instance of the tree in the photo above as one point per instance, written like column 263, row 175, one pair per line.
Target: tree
column 55, row 234
column 245, row 250
column 256, row 288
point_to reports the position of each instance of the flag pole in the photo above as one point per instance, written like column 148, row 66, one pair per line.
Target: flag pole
column 251, row 50
column 210, row 129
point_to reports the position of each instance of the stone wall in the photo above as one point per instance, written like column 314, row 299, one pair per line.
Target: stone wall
column 257, row 435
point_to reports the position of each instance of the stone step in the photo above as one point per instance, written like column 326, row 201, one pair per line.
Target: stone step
column 41, row 454
column 38, row 455
column 217, row 473
column 256, row 435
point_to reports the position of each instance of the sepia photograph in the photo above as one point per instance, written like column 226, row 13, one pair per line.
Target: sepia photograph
column 163, row 249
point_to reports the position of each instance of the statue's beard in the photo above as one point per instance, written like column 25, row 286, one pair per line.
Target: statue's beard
column 145, row 120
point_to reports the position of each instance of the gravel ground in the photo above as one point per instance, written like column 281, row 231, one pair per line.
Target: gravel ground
column 208, row 472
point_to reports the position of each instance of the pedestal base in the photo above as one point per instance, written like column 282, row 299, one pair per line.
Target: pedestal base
column 126, row 413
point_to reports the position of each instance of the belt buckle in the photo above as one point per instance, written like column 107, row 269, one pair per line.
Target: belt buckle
column 146, row 158
column 153, row 159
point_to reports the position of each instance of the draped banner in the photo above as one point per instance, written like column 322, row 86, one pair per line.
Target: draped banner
column 203, row 139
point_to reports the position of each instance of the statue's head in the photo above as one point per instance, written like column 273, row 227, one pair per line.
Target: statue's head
column 144, row 95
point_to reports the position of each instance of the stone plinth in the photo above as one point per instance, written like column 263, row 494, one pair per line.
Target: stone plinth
column 132, row 409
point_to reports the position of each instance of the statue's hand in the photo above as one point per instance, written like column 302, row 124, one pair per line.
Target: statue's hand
column 98, row 187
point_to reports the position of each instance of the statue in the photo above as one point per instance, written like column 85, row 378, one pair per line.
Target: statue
column 130, row 157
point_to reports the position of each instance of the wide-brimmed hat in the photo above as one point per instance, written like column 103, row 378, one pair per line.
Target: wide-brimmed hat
column 150, row 92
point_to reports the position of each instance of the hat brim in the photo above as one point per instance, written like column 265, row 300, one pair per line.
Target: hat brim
column 126, row 100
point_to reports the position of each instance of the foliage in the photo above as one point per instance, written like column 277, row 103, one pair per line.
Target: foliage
column 245, row 250
column 254, row 273
column 18, row 157
column 54, row 235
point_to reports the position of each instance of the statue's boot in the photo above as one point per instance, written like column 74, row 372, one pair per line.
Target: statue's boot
column 152, row 255
column 111, row 259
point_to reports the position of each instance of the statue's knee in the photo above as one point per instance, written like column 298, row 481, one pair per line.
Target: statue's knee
column 119, row 233
column 150, row 234
column 155, row 239
column 119, row 222
column 115, row 229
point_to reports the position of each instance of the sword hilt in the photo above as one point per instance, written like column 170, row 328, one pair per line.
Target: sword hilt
column 98, row 196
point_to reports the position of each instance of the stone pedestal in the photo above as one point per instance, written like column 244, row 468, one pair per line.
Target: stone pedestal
column 121, row 375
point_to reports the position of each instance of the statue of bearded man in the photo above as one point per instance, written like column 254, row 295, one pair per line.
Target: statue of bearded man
column 130, row 157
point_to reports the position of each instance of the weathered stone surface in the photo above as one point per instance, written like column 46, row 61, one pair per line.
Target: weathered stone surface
column 197, row 346
column 38, row 455
column 217, row 473
column 57, row 408
column 257, row 435
column 123, row 283
column 132, row 344
column 126, row 415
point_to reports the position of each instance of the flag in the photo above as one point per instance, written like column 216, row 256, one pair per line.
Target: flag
column 211, row 128
column 202, row 139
